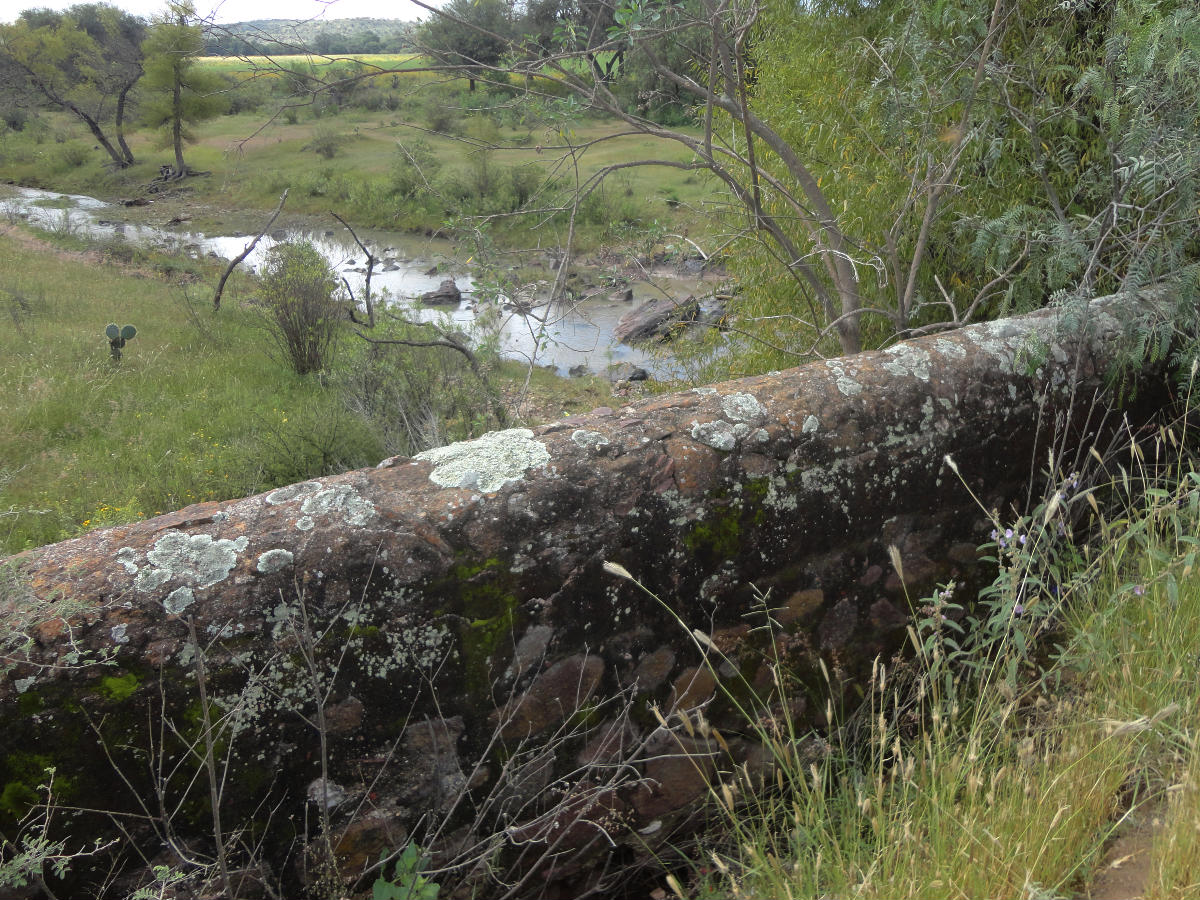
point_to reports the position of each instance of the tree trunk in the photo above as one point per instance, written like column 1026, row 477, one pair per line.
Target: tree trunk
column 177, row 125
column 120, row 124
column 92, row 124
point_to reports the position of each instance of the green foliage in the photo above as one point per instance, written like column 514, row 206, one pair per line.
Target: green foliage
column 84, row 61
column 117, row 338
column 475, row 33
column 177, row 92
column 415, row 167
column 406, row 882
column 201, row 412
column 304, row 310
column 326, row 142
column 412, row 397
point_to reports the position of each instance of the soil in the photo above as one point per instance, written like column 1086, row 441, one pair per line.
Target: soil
column 1124, row 872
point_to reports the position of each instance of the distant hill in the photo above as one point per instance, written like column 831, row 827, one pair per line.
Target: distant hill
column 325, row 36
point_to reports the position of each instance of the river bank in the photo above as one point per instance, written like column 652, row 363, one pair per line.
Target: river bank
column 537, row 317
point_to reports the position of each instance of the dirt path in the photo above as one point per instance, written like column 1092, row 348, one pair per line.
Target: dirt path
column 1124, row 872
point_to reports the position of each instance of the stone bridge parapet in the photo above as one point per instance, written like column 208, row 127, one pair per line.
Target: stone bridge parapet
column 433, row 650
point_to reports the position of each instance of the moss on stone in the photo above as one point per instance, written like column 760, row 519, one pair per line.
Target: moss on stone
column 119, row 687
column 719, row 535
column 489, row 616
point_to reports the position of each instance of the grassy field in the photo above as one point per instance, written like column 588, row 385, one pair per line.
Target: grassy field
column 477, row 158
column 243, row 67
column 200, row 407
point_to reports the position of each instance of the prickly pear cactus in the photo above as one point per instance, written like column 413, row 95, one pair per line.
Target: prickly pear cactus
column 117, row 337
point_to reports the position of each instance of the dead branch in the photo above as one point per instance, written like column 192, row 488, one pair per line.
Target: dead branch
column 237, row 260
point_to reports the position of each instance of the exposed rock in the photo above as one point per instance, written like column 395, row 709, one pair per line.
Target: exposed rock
column 480, row 667
column 625, row 372
column 657, row 319
column 445, row 294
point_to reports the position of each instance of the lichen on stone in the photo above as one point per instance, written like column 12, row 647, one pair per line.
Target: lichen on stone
column 487, row 463
column 292, row 491
column 950, row 348
column 179, row 600
column 194, row 557
column 339, row 500
column 273, row 561
column 591, row 441
column 811, row 424
column 720, row 435
column 907, row 359
column 847, row 385
column 743, row 407
column 151, row 579
column 126, row 556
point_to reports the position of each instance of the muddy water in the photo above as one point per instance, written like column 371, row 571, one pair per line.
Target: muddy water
column 559, row 335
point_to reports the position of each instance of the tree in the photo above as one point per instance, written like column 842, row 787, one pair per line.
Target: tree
column 468, row 35
column 179, row 93
column 903, row 167
column 85, row 60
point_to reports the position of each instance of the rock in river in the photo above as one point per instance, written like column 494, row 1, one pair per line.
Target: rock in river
column 446, row 294
column 656, row 320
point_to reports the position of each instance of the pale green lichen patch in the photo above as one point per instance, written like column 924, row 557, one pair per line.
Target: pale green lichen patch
column 194, row 557
column 339, row 500
column 591, row 441
column 742, row 407
column 719, row 435
column 151, row 579
column 126, row 556
column 179, row 600
column 282, row 683
column 273, row 561
column 486, row 464
column 811, row 424
column 292, row 491
column 906, row 359
column 847, row 385
column 950, row 348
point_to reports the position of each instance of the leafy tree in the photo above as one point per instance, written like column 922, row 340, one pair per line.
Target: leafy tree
column 471, row 35
column 177, row 91
column 85, row 60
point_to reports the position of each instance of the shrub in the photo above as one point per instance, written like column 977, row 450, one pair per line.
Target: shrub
column 304, row 310
column 326, row 142
column 415, row 167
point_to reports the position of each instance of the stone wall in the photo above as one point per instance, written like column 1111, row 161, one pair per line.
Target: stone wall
column 432, row 648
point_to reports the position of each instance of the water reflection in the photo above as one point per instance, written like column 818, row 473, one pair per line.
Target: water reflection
column 561, row 335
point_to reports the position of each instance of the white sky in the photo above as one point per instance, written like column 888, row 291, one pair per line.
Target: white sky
column 244, row 10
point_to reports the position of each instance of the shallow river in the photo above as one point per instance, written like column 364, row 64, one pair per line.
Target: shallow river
column 562, row 336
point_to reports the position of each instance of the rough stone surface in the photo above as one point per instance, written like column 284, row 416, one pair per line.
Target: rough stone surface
column 478, row 669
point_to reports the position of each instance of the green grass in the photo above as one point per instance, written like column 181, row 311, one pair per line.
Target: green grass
column 243, row 67
column 253, row 158
column 182, row 418
column 201, row 406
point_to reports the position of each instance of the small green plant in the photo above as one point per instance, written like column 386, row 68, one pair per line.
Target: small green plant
column 117, row 336
column 407, row 882
column 303, row 305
